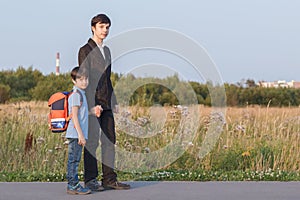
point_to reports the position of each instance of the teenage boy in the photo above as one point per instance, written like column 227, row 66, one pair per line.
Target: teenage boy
column 96, row 58
column 77, row 131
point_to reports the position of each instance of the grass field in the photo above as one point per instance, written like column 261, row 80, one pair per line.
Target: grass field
column 253, row 139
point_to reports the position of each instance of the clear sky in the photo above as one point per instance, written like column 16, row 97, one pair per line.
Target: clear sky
column 246, row 39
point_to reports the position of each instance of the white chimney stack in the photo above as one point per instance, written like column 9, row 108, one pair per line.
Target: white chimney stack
column 57, row 64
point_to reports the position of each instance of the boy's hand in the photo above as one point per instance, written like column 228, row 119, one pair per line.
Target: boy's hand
column 97, row 110
column 81, row 140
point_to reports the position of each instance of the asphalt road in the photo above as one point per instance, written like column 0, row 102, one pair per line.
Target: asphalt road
column 158, row 190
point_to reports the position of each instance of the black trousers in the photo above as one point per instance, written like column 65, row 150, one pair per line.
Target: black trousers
column 108, row 140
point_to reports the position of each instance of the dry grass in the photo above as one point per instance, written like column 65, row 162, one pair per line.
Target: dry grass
column 255, row 138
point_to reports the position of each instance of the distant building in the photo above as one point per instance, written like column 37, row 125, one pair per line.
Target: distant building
column 280, row 84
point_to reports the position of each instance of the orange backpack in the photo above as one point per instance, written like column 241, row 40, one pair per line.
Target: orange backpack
column 58, row 118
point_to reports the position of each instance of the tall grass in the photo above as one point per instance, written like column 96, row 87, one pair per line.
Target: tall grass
column 27, row 144
column 253, row 138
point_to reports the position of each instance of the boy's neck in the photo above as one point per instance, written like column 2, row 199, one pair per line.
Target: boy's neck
column 97, row 40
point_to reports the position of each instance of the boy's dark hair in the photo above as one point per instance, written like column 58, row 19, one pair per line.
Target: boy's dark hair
column 102, row 18
column 78, row 72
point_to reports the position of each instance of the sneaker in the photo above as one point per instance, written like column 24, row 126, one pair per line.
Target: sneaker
column 116, row 185
column 94, row 185
column 77, row 189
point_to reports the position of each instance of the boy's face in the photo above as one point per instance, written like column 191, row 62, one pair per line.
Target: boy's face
column 81, row 82
column 101, row 30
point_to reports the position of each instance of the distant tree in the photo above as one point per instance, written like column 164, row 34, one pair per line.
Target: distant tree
column 114, row 78
column 51, row 84
column 200, row 99
column 232, row 94
column 20, row 81
column 200, row 89
column 250, row 83
column 208, row 101
column 4, row 93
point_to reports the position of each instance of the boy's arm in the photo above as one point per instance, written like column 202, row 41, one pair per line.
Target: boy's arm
column 81, row 139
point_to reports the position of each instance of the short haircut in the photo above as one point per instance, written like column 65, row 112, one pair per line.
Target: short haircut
column 78, row 72
column 100, row 18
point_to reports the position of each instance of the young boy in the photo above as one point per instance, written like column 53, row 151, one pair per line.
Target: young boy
column 77, row 131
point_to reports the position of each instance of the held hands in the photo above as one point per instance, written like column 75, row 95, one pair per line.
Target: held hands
column 97, row 110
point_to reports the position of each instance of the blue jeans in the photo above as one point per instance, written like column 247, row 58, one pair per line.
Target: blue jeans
column 74, row 156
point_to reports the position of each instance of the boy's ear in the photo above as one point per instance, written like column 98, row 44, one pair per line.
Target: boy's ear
column 93, row 29
column 74, row 82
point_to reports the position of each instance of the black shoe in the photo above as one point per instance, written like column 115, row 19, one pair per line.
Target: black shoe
column 116, row 186
column 94, row 185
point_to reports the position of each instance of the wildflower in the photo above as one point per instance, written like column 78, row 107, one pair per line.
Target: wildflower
column 128, row 146
column 142, row 121
column 126, row 114
column 147, row 150
column 57, row 147
column 40, row 140
column 246, row 154
column 184, row 111
column 190, row 144
column 240, row 128
column 66, row 142
column 179, row 107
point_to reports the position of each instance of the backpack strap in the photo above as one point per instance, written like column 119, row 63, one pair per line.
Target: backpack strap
column 81, row 101
column 80, row 94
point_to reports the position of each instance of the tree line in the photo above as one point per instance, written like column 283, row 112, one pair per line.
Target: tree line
column 30, row 84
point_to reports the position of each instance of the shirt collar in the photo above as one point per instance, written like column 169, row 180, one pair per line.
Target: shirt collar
column 77, row 88
column 101, row 45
